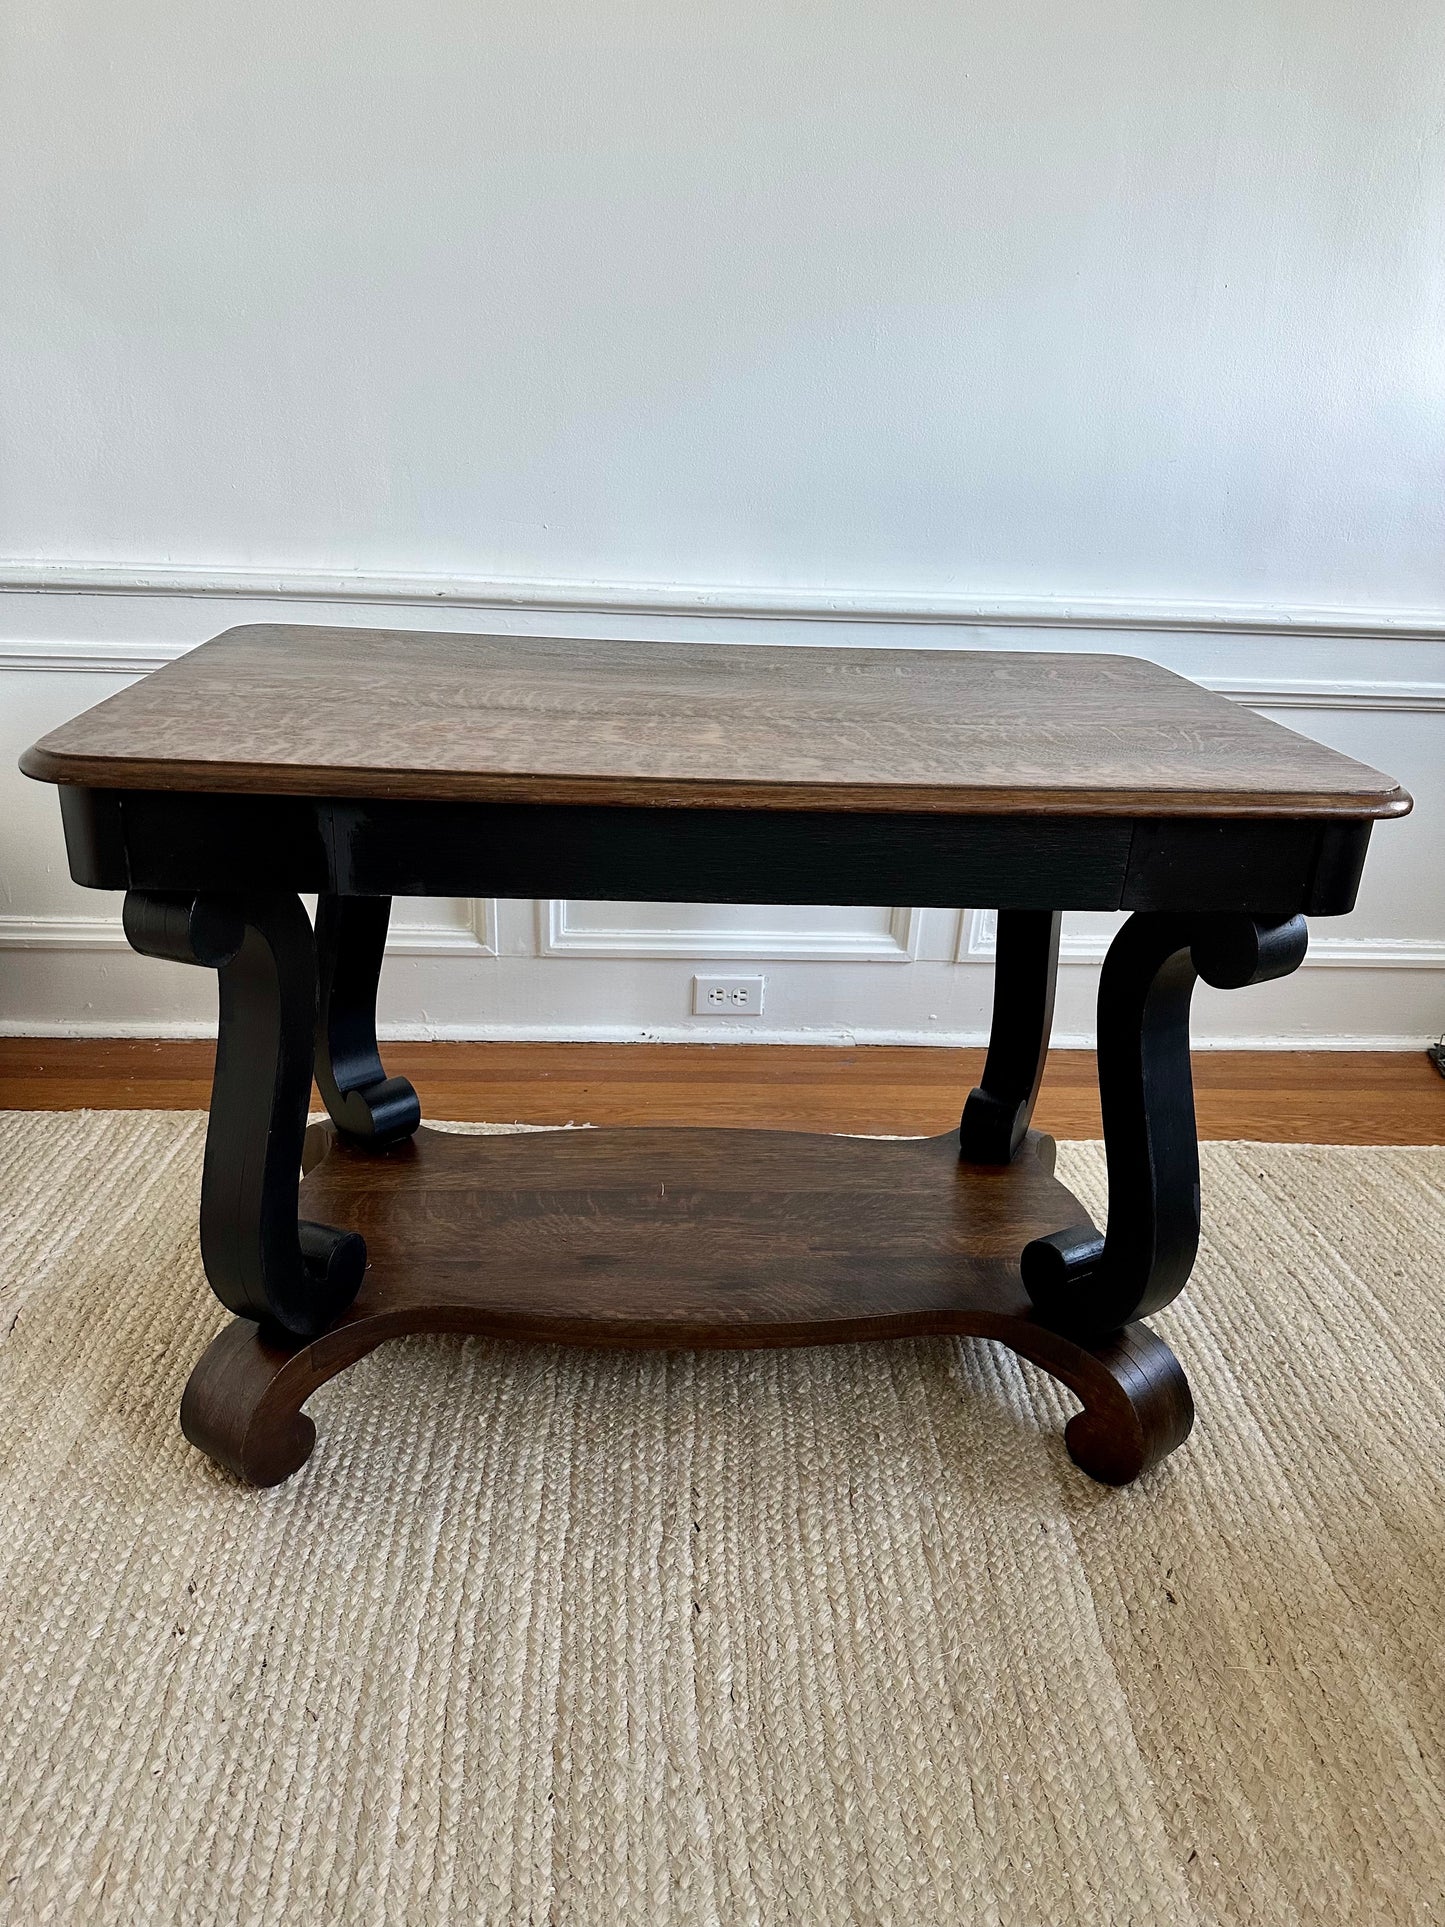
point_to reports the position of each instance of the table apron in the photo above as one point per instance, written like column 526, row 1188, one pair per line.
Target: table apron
column 156, row 840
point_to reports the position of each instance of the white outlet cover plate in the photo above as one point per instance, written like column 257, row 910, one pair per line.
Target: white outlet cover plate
column 727, row 996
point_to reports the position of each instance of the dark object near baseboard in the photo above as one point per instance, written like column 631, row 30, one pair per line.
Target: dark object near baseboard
column 1436, row 1055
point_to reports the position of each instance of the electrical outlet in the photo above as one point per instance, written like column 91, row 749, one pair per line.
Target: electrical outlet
column 727, row 996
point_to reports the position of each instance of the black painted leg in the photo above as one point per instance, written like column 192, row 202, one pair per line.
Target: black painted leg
column 262, row 1264
column 1026, row 960
column 367, row 1106
column 1080, row 1279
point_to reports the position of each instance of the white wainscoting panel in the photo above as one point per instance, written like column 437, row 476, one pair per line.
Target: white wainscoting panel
column 469, row 933
column 761, row 932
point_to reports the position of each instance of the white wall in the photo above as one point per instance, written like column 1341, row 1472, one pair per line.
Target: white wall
column 1108, row 326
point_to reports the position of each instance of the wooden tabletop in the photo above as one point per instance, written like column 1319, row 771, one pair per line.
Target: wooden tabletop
column 387, row 713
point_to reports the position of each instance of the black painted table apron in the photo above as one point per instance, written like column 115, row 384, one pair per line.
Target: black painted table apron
column 215, row 879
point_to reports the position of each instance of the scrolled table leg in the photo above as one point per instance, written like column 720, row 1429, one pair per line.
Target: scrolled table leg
column 294, row 1279
column 368, row 1107
column 1026, row 960
column 1079, row 1278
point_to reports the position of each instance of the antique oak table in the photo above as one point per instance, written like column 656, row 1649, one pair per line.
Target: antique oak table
column 363, row 765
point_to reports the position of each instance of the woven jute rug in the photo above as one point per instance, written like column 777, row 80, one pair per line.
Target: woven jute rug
column 824, row 1636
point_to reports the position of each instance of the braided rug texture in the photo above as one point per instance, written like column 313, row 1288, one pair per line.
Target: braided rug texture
column 828, row 1636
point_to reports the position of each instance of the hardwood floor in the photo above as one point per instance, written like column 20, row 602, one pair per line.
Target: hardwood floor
column 1321, row 1097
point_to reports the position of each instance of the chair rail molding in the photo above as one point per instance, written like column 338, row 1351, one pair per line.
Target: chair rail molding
column 21, row 576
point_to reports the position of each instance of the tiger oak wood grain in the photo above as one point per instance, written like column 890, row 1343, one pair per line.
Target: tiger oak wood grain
column 683, row 1238
column 388, row 714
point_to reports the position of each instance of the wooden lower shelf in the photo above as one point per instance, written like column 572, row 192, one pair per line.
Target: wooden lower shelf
column 683, row 1239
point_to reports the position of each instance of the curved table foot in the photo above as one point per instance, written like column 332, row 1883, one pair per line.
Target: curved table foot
column 1137, row 1408
column 242, row 1405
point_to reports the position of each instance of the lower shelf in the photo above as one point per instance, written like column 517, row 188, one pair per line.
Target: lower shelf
column 683, row 1239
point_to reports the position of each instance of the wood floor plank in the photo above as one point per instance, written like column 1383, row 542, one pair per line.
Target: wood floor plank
column 1320, row 1097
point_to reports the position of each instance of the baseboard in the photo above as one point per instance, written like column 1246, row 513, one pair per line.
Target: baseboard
column 179, row 1030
